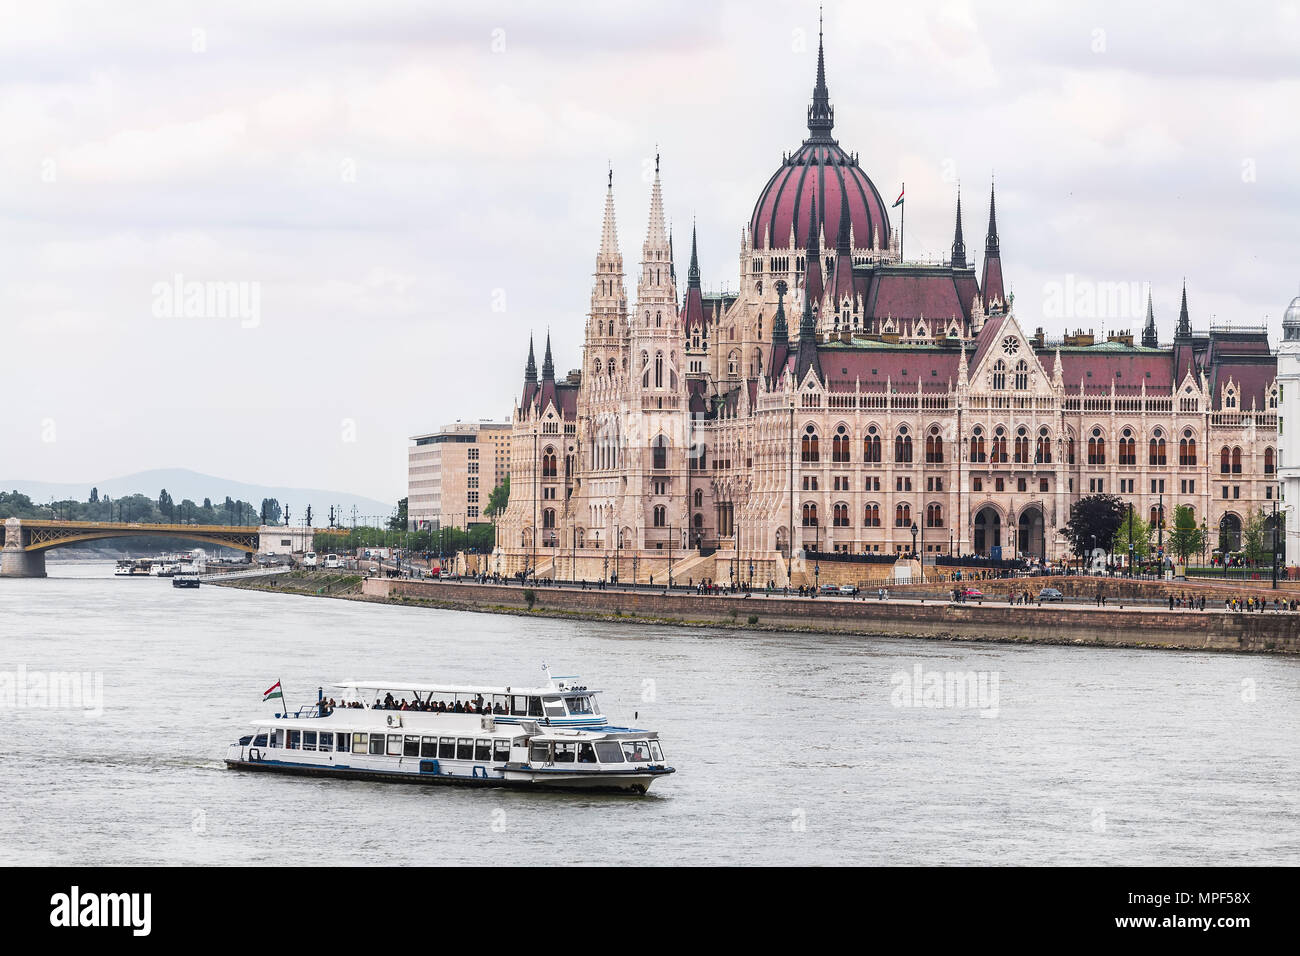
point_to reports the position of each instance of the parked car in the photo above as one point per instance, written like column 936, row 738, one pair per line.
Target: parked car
column 309, row 559
column 331, row 560
column 1050, row 594
column 972, row 593
column 830, row 589
column 848, row 590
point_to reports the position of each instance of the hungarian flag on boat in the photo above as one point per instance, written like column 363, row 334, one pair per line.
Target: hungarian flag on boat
column 275, row 690
column 899, row 200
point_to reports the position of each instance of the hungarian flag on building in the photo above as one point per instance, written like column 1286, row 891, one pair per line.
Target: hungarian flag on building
column 899, row 200
column 273, row 692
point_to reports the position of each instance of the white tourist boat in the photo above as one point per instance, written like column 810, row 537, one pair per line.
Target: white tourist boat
column 355, row 740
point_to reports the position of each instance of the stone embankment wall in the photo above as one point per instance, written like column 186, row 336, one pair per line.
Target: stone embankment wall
column 1056, row 624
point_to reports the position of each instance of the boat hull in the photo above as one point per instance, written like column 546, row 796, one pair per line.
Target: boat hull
column 632, row 783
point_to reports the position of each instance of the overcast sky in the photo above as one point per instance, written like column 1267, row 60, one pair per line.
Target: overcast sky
column 409, row 188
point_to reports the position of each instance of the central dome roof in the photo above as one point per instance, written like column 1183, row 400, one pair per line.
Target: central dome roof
column 820, row 168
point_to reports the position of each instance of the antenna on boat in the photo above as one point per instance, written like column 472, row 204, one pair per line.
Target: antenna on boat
column 546, row 669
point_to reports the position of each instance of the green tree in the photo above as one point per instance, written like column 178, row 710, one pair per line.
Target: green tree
column 271, row 511
column 166, row 506
column 498, row 500
column 1140, row 536
column 1094, row 518
column 1186, row 537
column 398, row 520
column 94, row 496
column 1253, row 536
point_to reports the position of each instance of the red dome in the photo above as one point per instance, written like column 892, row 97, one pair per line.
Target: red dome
column 826, row 170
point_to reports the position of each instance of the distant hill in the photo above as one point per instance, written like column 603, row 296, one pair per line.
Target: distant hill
column 182, row 483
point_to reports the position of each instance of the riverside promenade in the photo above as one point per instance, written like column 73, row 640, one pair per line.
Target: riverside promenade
column 1130, row 625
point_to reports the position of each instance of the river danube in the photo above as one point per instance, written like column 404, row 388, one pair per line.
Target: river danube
column 789, row 748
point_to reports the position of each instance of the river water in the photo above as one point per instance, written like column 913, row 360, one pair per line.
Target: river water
column 790, row 748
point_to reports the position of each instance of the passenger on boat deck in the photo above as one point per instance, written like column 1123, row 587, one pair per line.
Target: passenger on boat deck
column 497, row 708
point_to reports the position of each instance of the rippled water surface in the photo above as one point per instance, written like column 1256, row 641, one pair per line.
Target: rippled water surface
column 789, row 748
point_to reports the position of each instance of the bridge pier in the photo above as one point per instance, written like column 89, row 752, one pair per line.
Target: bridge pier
column 14, row 561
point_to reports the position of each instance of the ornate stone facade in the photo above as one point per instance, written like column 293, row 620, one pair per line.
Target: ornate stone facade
column 844, row 397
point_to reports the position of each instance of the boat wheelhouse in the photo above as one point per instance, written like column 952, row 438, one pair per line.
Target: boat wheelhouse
column 561, row 702
column 431, row 747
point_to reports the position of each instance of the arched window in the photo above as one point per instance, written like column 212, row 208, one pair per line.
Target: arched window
column 1043, row 449
column 808, row 446
column 999, row 375
column 1225, row 460
column 810, row 515
column 872, row 517
column 1069, row 450
column 1156, row 449
column 1096, row 448
column 934, row 516
column 977, row 453
column 548, row 462
column 903, row 446
column 841, row 512
column 1156, row 517
column 660, row 516
column 699, row 498
column 840, row 445
column 934, row 447
column 1236, row 461
column 660, row 453
column 1268, row 461
column 659, row 370
column 1022, row 376
column 548, row 518
column 871, row 447
column 1021, row 450
column 1187, row 448
column 999, row 455
column 902, row 516
column 610, row 367
column 1127, row 448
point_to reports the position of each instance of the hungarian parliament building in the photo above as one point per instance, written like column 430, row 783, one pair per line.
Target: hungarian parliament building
column 845, row 400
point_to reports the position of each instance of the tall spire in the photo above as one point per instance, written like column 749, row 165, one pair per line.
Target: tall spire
column 608, row 230
column 530, row 370
column 1184, row 330
column 693, row 273
column 808, row 358
column 958, row 242
column 1149, row 338
column 656, row 231
column 991, row 240
column 780, row 331
column 548, row 366
column 821, row 115
column 814, row 285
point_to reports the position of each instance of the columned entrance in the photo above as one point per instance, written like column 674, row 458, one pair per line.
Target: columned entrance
column 1029, row 533
column 988, row 530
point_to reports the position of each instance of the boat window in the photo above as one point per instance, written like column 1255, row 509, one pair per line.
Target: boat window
column 447, row 748
column 554, row 706
column 428, row 746
column 411, row 748
column 358, row 743
column 636, row 751
column 609, row 751
column 566, row 753
column 482, row 750
column 500, row 704
column 344, row 740
column 309, row 740
column 656, row 752
column 539, row 753
column 259, row 740
column 579, row 705
column 377, row 744
column 586, row 753
column 394, row 745
column 326, row 740
column 502, row 751
column 295, row 740
column 277, row 738
column 464, row 748
column 534, row 707
column 519, row 706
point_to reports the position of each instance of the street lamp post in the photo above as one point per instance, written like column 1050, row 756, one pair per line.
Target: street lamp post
column 1275, row 543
